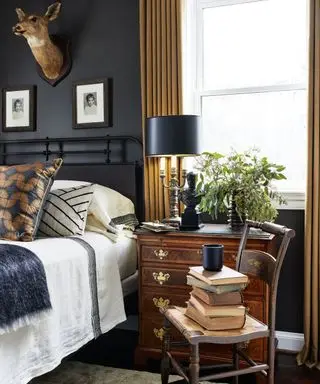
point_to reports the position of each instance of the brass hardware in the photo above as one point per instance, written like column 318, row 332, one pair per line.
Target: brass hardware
column 159, row 333
column 161, row 303
column 161, row 277
column 200, row 252
column 161, row 253
column 234, row 257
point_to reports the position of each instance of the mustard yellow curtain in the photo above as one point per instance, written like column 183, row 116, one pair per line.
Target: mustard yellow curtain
column 161, row 84
column 310, row 355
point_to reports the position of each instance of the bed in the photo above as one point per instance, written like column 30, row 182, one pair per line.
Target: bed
column 39, row 347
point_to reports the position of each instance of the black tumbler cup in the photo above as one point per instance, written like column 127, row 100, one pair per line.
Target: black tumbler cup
column 212, row 257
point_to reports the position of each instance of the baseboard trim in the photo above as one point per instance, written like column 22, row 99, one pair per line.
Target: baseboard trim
column 289, row 341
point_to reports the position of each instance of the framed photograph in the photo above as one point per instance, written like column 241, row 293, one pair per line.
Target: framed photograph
column 92, row 104
column 19, row 109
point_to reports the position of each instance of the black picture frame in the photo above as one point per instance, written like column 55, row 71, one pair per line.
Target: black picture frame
column 81, row 119
column 19, row 120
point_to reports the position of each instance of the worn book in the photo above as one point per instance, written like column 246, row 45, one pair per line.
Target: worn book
column 217, row 310
column 215, row 323
column 212, row 298
column 157, row 227
column 225, row 276
column 219, row 289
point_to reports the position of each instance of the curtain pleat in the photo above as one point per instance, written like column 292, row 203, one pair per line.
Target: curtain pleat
column 310, row 353
column 161, row 85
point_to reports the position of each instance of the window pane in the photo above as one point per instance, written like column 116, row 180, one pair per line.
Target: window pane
column 255, row 44
column 274, row 122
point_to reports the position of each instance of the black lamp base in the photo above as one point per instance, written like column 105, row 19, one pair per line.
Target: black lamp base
column 190, row 220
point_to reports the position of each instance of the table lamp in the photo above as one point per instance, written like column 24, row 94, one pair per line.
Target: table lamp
column 174, row 135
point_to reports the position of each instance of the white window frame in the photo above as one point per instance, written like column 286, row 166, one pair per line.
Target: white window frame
column 193, row 74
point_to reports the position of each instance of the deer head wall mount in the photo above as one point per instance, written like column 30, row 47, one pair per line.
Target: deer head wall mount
column 51, row 52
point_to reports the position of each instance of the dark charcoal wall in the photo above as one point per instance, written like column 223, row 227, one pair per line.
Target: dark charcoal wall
column 105, row 36
column 290, row 293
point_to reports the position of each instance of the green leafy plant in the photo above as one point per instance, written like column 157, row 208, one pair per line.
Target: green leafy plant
column 242, row 178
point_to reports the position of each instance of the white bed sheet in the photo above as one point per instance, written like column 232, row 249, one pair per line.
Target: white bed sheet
column 125, row 250
column 36, row 349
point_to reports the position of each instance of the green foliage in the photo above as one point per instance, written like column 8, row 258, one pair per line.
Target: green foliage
column 245, row 177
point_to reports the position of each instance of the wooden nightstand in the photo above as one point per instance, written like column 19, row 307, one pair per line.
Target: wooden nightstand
column 164, row 260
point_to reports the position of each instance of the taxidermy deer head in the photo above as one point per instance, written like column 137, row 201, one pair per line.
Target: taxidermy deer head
column 34, row 28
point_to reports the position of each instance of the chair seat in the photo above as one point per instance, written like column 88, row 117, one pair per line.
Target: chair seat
column 195, row 333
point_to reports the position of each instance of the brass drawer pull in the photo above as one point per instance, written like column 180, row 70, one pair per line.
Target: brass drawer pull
column 161, row 277
column 161, row 303
column 159, row 333
column 234, row 257
column 161, row 254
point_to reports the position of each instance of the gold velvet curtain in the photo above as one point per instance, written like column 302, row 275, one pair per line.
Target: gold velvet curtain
column 310, row 355
column 161, row 84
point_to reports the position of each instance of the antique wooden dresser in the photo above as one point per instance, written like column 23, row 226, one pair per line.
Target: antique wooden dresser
column 164, row 260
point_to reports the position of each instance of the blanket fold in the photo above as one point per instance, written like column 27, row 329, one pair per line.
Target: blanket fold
column 23, row 287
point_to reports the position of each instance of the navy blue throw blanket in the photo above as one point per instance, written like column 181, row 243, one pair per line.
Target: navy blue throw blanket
column 23, row 287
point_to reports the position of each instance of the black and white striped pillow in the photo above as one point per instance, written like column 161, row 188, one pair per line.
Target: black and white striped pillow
column 65, row 211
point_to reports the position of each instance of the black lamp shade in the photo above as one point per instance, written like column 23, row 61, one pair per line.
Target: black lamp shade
column 177, row 135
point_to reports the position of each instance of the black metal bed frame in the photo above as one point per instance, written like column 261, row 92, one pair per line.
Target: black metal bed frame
column 99, row 152
column 62, row 152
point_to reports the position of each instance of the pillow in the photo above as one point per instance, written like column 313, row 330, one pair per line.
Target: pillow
column 65, row 211
column 110, row 211
column 62, row 184
column 23, row 190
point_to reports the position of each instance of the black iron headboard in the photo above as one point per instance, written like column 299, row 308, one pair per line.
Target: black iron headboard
column 113, row 161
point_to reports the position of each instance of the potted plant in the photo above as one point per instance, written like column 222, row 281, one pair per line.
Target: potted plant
column 239, row 183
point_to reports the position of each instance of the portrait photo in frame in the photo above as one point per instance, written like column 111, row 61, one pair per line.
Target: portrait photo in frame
column 92, row 103
column 19, row 108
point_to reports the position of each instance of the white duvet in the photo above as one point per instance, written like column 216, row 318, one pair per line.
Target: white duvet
column 39, row 348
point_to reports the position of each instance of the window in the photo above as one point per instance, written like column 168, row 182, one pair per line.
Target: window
column 245, row 72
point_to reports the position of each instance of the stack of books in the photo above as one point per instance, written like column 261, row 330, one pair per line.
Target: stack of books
column 216, row 301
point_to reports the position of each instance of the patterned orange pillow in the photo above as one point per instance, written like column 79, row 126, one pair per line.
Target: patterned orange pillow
column 23, row 191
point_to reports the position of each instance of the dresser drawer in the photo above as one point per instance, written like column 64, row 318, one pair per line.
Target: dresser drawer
column 171, row 255
column 153, row 332
column 184, row 256
column 255, row 308
column 255, row 287
column 163, row 277
column 152, row 301
column 254, row 349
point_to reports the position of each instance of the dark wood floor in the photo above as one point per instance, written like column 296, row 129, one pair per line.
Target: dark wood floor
column 116, row 348
column 289, row 373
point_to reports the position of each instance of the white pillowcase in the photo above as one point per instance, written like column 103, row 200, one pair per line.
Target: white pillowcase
column 61, row 184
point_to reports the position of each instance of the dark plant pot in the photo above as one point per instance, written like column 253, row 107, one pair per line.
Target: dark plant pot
column 234, row 220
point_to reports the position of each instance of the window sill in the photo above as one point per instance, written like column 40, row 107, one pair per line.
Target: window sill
column 295, row 201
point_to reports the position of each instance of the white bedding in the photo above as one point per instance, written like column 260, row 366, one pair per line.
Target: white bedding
column 36, row 349
column 124, row 249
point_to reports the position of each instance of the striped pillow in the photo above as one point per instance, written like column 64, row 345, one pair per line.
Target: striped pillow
column 65, row 212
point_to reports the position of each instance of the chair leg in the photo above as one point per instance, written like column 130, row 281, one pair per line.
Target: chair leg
column 235, row 361
column 271, row 357
column 194, row 365
column 165, row 362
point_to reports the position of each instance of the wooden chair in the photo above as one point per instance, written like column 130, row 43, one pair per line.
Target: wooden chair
column 258, row 264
